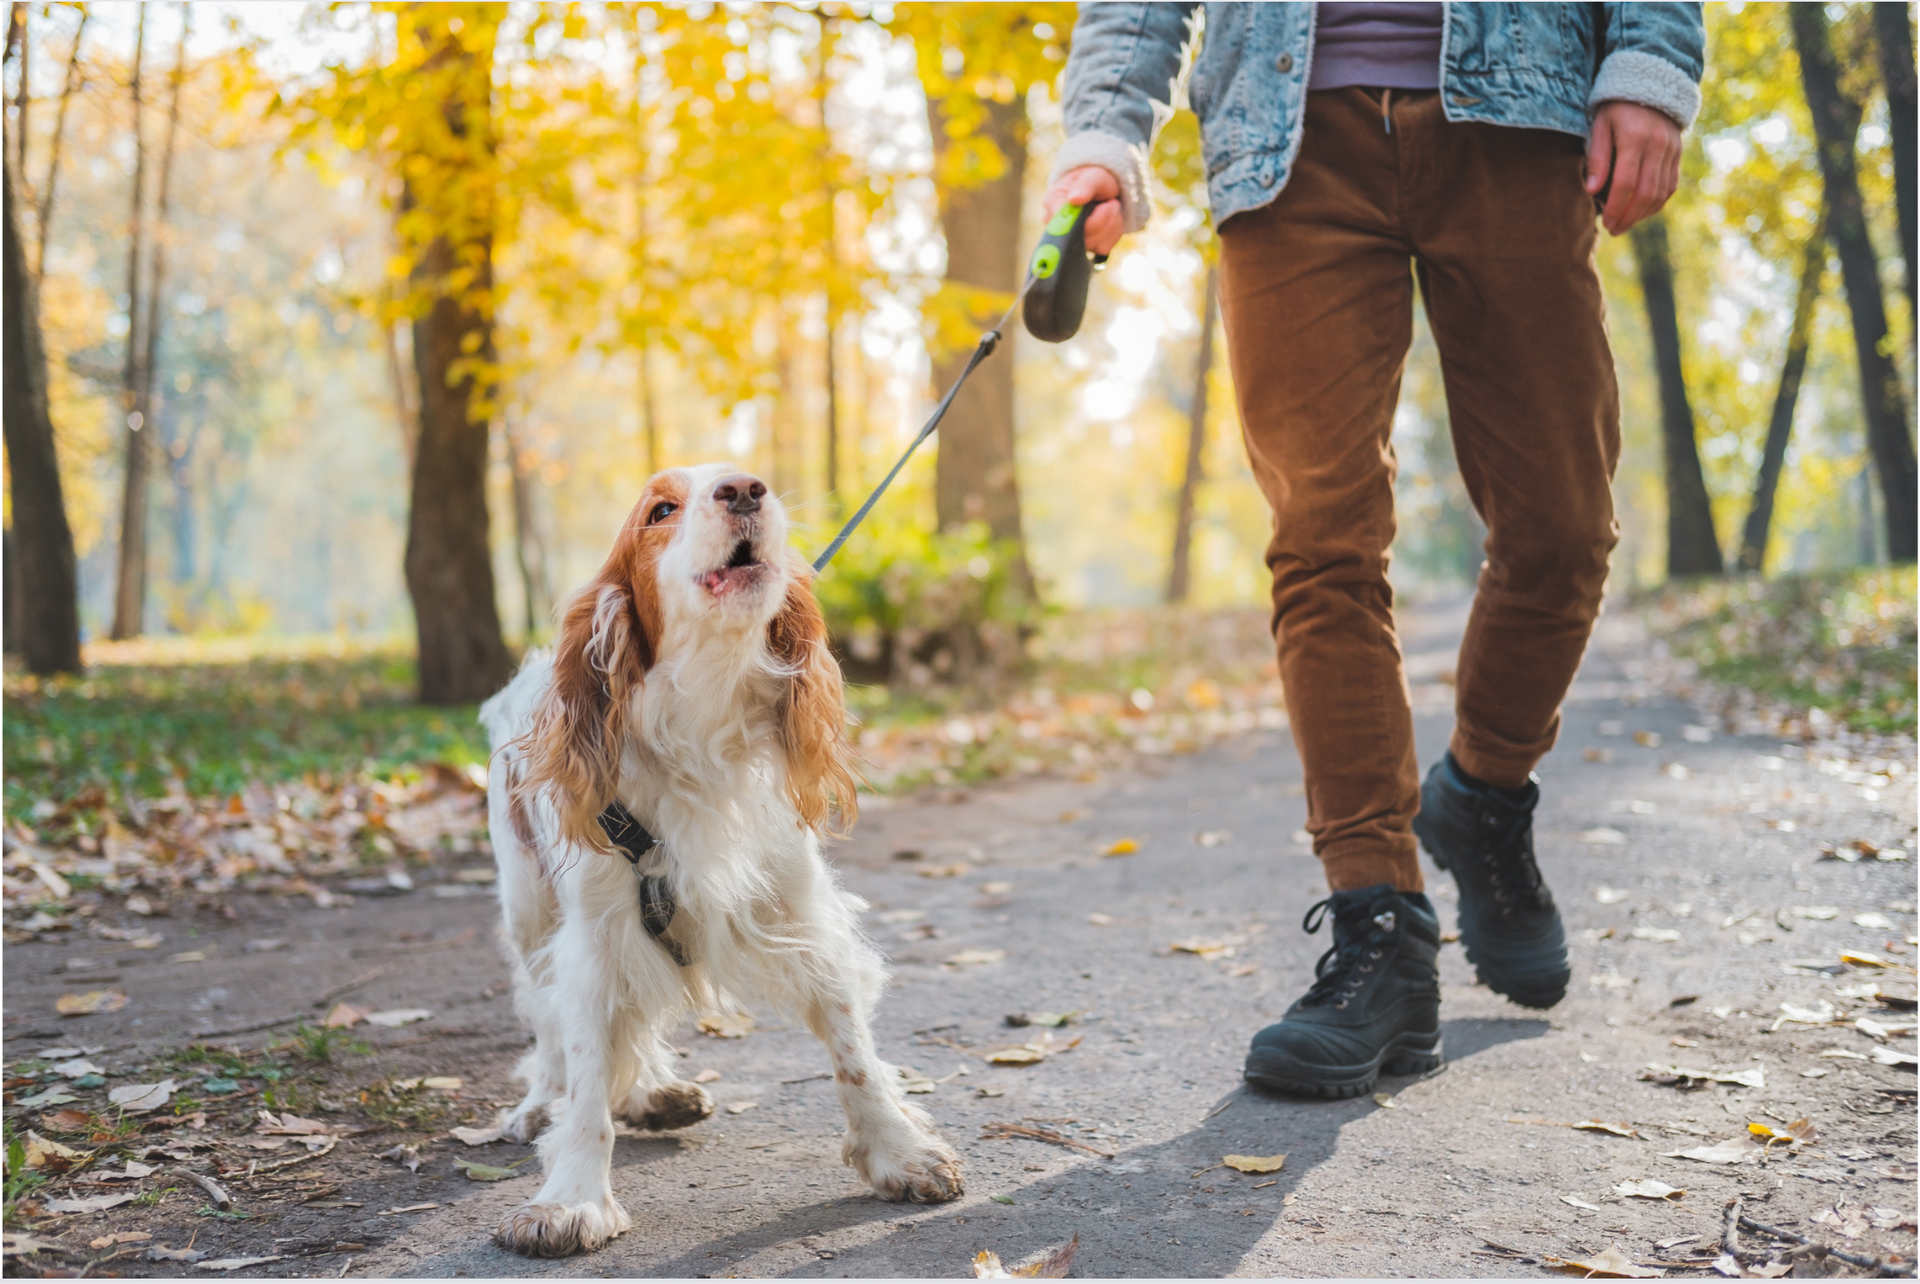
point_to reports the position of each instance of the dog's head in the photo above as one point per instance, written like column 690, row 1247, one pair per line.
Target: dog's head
column 701, row 565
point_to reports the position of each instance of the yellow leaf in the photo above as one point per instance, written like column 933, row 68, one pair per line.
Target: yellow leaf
column 1125, row 847
column 1255, row 1163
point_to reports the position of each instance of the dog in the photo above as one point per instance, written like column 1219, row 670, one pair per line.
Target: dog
column 690, row 695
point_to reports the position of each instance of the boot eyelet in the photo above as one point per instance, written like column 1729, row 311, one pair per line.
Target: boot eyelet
column 1341, row 1004
column 1373, row 954
column 1366, row 967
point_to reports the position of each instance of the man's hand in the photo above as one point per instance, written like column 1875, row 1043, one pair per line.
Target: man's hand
column 1638, row 149
column 1091, row 183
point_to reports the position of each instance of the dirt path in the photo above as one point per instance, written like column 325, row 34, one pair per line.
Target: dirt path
column 1687, row 871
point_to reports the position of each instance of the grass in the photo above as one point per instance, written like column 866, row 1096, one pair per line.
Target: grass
column 1829, row 649
column 211, row 722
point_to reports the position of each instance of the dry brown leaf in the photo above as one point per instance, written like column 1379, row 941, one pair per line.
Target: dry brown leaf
column 741, row 1107
column 1849, row 1222
column 1596, row 1125
column 90, row 1003
column 1206, row 949
column 50, row 1155
column 955, row 870
column 708, row 1075
column 344, row 1017
column 1255, row 1163
column 408, row 1157
column 976, row 958
column 737, row 1026
column 1384, row 1100
column 1648, row 1188
column 1612, row 1264
column 1734, row 1150
column 290, row 1125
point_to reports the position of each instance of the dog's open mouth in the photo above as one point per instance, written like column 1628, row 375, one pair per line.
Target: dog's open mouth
column 741, row 568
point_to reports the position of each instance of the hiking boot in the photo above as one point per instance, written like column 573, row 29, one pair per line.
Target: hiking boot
column 1374, row 1005
column 1483, row 836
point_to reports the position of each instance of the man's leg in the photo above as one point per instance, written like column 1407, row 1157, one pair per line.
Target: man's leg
column 1317, row 297
column 1505, row 234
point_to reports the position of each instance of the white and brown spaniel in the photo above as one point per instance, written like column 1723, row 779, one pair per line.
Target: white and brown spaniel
column 691, row 685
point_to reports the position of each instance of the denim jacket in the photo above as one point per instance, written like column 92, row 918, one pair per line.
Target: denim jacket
column 1540, row 66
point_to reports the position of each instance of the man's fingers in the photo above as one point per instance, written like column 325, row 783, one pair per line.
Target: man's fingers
column 1104, row 228
column 1599, row 154
column 1628, row 162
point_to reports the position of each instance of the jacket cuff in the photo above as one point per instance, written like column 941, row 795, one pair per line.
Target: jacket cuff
column 1127, row 162
column 1631, row 76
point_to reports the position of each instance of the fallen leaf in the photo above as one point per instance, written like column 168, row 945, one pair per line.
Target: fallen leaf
column 737, row 1026
column 1675, row 1242
column 1815, row 1073
column 398, row 1017
column 995, row 889
column 1604, row 836
column 290, row 1125
column 1125, row 847
column 1770, row 1271
column 1255, row 1163
column 133, row 1171
column 1894, row 1057
column 77, row 1068
column 1214, row 837
column 1800, row 1132
column 236, row 1263
column 1734, row 1150
column 408, row 1157
column 1662, row 934
column 1677, row 1076
column 477, row 1136
column 139, row 1098
column 90, row 1003
column 1649, row 739
column 90, row 1204
column 1100, row 920
column 741, row 1107
column 1384, row 1100
column 480, row 1172
column 1816, row 913
column 1891, row 1218
column 1842, row 1054
column 1610, row 895
column 1648, row 1188
column 59, row 1096
column 1879, row 922
column 119, row 1237
column 51, row 1155
column 1612, row 1264
column 189, row 956
column 955, row 870
column 1016, row 1056
column 161, row 1253
column 1597, row 755
column 708, row 1075
column 441, row 1082
column 1050, row 1265
column 1850, row 1222
column 67, row 1120
column 344, row 1017
column 410, row 1208
column 1206, row 949
column 976, row 958
column 989, row 1092
column 1596, row 1125
column 1577, row 1202
column 1860, row 958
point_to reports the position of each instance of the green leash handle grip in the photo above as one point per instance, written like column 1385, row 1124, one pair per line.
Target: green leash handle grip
column 1058, row 274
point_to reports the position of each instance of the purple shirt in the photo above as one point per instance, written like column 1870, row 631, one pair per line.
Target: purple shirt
column 1380, row 45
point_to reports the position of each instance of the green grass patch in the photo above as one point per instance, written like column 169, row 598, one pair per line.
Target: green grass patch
column 1841, row 643
column 215, row 725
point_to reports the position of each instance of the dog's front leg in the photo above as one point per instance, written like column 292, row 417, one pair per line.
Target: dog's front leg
column 575, row 1211
column 890, row 1142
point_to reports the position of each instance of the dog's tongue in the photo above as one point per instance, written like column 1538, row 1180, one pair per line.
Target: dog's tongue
column 713, row 580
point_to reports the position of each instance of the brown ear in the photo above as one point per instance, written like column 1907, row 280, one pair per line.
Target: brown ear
column 813, row 711
column 599, row 661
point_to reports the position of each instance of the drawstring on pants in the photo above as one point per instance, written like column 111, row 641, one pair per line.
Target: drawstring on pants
column 1386, row 105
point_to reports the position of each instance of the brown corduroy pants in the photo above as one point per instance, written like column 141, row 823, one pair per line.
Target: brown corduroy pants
column 1317, row 293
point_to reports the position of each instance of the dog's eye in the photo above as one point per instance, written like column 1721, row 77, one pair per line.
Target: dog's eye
column 661, row 512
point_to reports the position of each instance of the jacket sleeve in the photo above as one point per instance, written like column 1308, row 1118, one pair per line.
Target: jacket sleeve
column 1651, row 54
column 1121, row 71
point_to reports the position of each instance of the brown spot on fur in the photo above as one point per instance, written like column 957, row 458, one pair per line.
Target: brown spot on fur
column 813, row 711
column 857, row 1078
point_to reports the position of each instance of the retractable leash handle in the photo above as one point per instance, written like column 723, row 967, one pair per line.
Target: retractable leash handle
column 1060, row 270
column 1057, row 278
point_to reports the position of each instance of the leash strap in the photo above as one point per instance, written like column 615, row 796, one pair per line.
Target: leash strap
column 982, row 350
column 656, row 897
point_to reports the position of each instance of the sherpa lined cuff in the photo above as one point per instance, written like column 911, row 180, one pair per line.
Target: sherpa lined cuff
column 1634, row 77
column 1126, row 161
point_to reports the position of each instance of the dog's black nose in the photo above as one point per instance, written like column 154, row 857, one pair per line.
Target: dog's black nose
column 740, row 493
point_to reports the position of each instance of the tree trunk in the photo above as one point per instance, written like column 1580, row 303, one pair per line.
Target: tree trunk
column 975, row 477
column 1753, row 541
column 449, row 564
column 529, row 549
column 44, row 218
column 1179, row 576
column 42, row 579
column 1893, row 32
column 163, row 205
column 19, row 45
column 1692, row 546
column 1836, row 119
column 130, row 576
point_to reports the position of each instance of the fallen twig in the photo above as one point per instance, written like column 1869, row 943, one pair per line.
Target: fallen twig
column 1010, row 1131
column 1903, row 1269
column 249, row 1028
column 214, row 1189
column 354, row 984
column 1730, row 1229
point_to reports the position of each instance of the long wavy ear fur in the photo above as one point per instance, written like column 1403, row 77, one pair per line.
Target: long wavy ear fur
column 599, row 661
column 813, row 712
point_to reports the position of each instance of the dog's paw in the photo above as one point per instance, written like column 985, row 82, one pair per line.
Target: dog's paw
column 523, row 1125
column 928, row 1172
column 560, row 1230
column 677, row 1105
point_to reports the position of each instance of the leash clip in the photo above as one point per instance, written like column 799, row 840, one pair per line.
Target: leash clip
column 633, row 841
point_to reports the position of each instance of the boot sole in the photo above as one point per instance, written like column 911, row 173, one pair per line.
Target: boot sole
column 1407, row 1054
column 1542, row 994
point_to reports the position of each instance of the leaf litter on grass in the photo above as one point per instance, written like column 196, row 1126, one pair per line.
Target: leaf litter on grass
column 1051, row 1264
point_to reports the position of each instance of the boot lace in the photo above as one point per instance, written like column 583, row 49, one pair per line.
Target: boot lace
column 1360, row 942
column 1506, row 852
